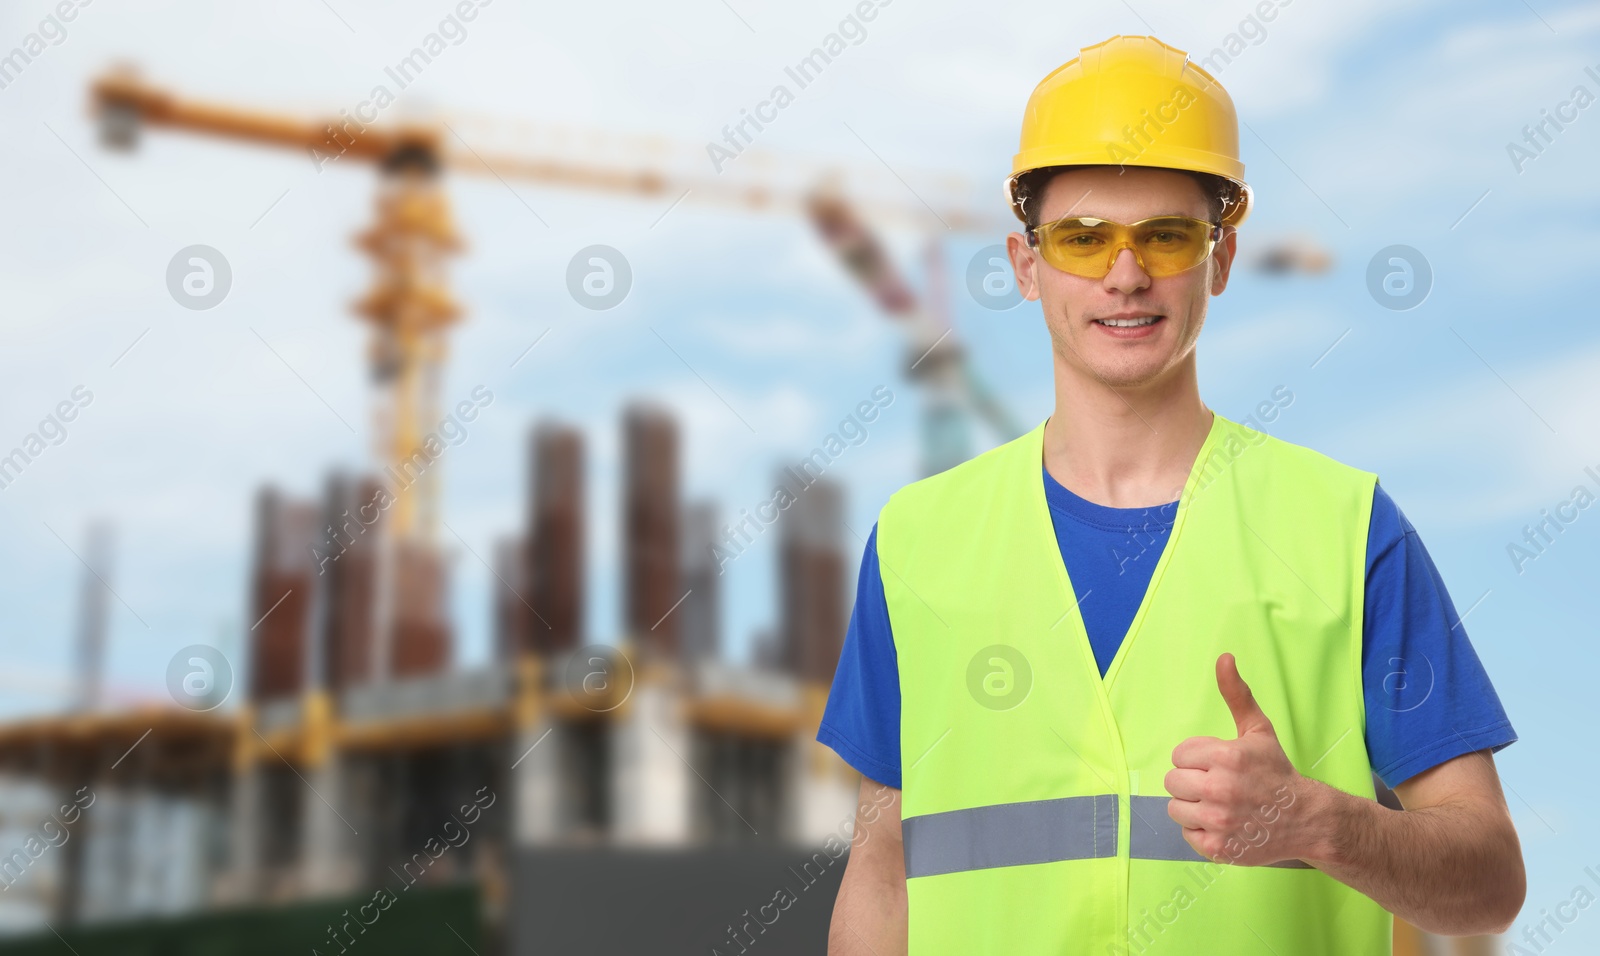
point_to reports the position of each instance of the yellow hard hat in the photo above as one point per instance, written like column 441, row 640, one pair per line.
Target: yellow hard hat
column 1133, row 101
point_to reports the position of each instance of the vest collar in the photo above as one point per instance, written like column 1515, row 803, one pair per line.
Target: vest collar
column 1042, row 545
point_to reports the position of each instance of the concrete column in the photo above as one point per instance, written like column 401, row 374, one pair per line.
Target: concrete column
column 653, row 784
column 69, row 900
column 535, row 783
column 328, row 851
column 244, row 837
column 108, row 865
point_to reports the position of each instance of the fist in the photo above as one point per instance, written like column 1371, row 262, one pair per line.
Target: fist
column 1230, row 795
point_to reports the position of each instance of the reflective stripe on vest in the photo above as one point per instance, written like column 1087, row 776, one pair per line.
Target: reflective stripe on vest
column 1154, row 835
column 1044, row 831
column 1011, row 834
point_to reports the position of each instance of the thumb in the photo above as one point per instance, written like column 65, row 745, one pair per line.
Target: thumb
column 1247, row 714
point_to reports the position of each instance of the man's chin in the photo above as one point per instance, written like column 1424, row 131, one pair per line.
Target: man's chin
column 1118, row 367
column 1127, row 382
column 1123, row 374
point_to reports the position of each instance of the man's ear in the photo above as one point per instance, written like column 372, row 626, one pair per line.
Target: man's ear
column 1223, row 255
column 1023, row 266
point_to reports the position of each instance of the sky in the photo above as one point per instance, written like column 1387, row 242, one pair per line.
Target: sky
column 1365, row 125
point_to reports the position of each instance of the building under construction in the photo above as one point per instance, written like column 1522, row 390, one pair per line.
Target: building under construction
column 596, row 770
column 642, row 795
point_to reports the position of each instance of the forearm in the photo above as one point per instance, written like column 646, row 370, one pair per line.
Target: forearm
column 869, row 916
column 1453, row 869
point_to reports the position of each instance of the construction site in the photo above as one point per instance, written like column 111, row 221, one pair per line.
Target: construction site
column 358, row 788
column 638, row 793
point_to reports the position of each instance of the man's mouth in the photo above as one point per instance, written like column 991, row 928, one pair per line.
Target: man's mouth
column 1130, row 323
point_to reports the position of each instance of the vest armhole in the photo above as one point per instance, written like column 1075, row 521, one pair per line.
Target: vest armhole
column 891, row 579
column 1358, row 604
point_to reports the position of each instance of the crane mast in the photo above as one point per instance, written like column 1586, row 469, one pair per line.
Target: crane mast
column 409, row 308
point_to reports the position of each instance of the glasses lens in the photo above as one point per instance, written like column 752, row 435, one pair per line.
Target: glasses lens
column 1085, row 246
column 1080, row 246
column 1172, row 245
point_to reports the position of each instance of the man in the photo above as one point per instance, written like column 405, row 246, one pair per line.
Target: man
column 1041, row 683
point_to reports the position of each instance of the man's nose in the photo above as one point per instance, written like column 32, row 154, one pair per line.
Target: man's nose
column 1126, row 275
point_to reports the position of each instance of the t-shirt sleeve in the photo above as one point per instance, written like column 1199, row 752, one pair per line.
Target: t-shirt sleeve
column 862, row 719
column 1428, row 697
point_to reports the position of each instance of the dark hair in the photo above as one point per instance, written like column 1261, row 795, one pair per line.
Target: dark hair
column 1029, row 191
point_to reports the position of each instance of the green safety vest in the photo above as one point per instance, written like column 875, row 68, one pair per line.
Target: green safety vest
column 1033, row 806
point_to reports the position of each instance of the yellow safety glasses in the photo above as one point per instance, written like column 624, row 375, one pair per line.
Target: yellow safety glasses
column 1088, row 247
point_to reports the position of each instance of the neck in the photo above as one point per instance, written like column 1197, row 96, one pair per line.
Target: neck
column 1125, row 447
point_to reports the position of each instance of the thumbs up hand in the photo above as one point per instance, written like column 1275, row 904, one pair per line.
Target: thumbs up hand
column 1233, row 797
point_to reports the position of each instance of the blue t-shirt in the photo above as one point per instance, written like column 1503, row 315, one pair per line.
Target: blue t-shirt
column 1414, row 647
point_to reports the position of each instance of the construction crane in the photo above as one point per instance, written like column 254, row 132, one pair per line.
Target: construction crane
column 952, row 391
column 410, row 306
